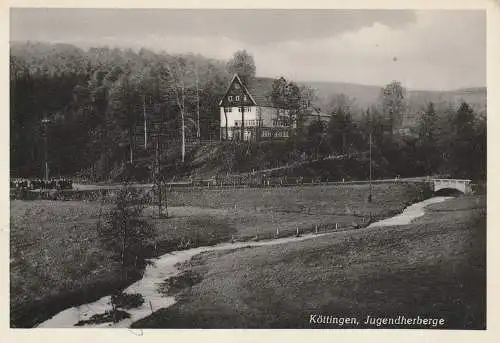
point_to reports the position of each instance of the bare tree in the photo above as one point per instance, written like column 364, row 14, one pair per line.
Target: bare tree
column 291, row 101
column 225, row 115
column 242, row 64
column 173, row 89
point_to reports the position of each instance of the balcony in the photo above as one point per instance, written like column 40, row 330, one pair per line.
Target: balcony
column 249, row 123
column 280, row 123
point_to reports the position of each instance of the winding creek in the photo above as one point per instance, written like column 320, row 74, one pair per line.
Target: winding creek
column 164, row 267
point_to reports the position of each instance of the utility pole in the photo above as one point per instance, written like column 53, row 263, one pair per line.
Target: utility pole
column 157, row 178
column 145, row 122
column 197, row 106
column 370, row 138
column 183, row 133
column 45, row 122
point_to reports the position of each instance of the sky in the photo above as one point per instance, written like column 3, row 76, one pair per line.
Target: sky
column 426, row 49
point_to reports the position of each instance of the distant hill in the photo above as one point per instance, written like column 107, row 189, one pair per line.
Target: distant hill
column 365, row 96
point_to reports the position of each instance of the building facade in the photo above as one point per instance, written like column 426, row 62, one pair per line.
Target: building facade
column 246, row 113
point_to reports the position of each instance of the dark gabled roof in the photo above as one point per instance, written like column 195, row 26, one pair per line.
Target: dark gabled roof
column 261, row 88
column 236, row 79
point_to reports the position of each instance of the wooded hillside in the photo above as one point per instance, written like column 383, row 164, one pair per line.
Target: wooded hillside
column 83, row 111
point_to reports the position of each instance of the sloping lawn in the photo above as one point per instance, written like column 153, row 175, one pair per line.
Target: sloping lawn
column 434, row 267
column 57, row 260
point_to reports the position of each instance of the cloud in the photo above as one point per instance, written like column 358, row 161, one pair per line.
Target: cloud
column 441, row 50
column 251, row 26
column 430, row 49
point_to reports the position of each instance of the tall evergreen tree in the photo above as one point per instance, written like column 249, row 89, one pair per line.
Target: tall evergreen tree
column 393, row 105
column 427, row 140
column 463, row 142
column 340, row 129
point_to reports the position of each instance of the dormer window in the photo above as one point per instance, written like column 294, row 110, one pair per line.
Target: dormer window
column 237, row 98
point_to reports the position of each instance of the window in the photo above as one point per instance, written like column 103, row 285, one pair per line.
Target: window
column 239, row 109
column 237, row 98
column 236, row 86
column 247, row 109
column 244, row 98
column 229, row 109
column 230, row 98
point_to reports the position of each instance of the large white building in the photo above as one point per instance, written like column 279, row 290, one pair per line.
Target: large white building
column 254, row 106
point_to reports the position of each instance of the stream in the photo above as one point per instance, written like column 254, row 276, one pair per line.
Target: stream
column 164, row 267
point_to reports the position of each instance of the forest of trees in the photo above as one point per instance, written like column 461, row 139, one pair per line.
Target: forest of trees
column 451, row 144
column 95, row 99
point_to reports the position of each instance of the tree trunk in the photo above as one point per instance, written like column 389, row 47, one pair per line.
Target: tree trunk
column 242, row 117
column 130, row 143
column 258, row 132
column 227, row 137
column 183, row 135
column 198, row 134
column 123, row 254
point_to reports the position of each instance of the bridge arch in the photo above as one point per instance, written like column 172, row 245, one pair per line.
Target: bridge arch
column 448, row 192
column 450, row 186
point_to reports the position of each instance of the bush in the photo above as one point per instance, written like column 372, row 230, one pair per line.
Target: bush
column 113, row 316
column 423, row 191
column 125, row 232
column 127, row 301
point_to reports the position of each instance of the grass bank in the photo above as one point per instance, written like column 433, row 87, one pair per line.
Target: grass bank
column 57, row 260
column 434, row 267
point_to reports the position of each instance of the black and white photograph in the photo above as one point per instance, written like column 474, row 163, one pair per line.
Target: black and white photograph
column 247, row 168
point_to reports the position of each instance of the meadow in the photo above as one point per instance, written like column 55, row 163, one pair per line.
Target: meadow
column 57, row 260
column 433, row 267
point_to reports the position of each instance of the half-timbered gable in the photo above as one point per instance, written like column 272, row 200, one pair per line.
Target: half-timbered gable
column 253, row 104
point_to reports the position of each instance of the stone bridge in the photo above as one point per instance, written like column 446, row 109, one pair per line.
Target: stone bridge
column 463, row 186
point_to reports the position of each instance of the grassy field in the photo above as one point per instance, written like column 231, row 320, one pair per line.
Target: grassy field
column 58, row 262
column 434, row 267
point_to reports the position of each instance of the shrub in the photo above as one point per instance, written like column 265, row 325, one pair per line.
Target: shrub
column 125, row 232
column 113, row 316
column 423, row 191
column 127, row 301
